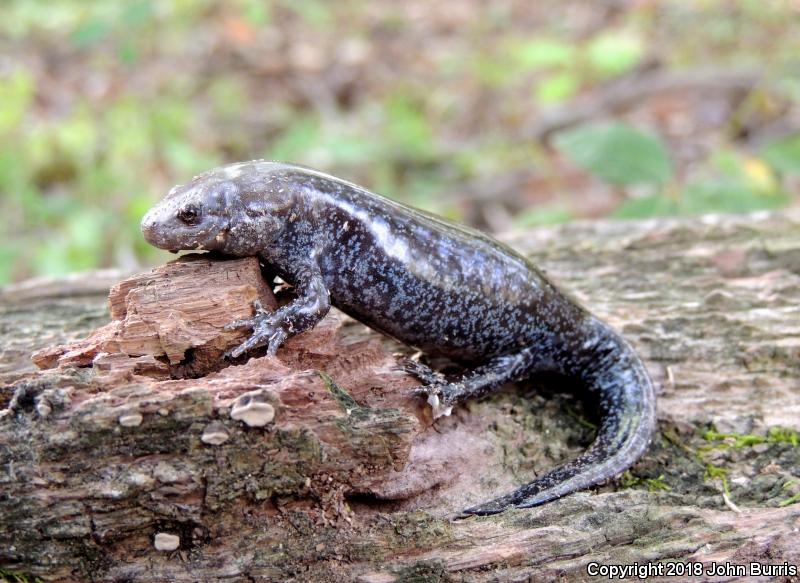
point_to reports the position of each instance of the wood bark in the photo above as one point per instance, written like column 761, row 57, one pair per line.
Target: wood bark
column 138, row 435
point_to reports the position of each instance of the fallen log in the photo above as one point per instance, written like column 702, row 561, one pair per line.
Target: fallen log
column 140, row 452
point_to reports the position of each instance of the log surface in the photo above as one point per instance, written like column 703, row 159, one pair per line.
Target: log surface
column 138, row 453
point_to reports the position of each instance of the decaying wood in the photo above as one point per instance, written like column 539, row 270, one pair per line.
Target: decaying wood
column 317, row 465
column 171, row 321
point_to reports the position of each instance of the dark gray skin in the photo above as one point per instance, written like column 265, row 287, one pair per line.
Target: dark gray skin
column 440, row 287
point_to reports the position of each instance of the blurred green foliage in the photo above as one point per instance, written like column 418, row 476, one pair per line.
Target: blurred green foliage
column 561, row 66
column 81, row 182
column 783, row 154
column 104, row 106
column 617, row 153
column 621, row 154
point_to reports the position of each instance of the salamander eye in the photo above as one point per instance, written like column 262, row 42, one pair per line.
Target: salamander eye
column 189, row 214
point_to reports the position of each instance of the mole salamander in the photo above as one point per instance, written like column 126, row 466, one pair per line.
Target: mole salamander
column 441, row 287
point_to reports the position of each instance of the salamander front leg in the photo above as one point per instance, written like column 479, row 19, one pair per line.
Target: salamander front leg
column 273, row 328
column 443, row 393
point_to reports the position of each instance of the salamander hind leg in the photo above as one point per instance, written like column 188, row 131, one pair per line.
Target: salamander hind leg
column 444, row 392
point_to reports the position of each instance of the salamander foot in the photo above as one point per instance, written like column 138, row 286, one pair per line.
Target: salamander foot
column 268, row 328
column 440, row 394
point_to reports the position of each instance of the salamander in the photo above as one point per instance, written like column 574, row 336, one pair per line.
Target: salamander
column 440, row 287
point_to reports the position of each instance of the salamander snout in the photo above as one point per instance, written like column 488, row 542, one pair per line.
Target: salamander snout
column 156, row 230
column 149, row 228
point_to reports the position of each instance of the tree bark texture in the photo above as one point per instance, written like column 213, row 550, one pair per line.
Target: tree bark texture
column 132, row 449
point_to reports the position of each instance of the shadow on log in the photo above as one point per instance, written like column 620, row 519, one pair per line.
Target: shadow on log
column 141, row 453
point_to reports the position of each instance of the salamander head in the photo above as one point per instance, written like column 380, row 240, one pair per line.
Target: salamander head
column 236, row 209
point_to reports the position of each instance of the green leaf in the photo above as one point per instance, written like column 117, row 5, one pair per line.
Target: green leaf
column 783, row 154
column 725, row 195
column 556, row 88
column 490, row 71
column 257, row 12
column 315, row 12
column 616, row 152
column 656, row 205
column 542, row 53
column 543, row 215
column 613, row 53
column 77, row 136
column 51, row 256
column 128, row 53
column 16, row 94
column 13, row 169
column 90, row 32
column 406, row 129
column 727, row 161
column 137, row 14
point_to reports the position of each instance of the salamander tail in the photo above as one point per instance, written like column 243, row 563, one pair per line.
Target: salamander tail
column 609, row 367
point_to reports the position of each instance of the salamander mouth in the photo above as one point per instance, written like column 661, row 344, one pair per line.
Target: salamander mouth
column 222, row 236
column 217, row 242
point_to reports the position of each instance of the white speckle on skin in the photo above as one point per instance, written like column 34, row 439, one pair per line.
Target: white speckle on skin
column 131, row 419
column 165, row 541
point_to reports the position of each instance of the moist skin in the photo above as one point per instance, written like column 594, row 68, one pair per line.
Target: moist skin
column 441, row 287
